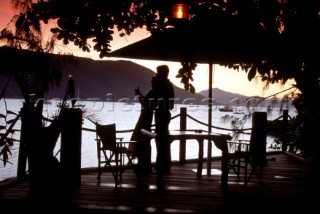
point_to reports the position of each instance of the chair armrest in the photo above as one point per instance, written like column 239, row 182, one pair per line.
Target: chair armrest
column 238, row 146
column 119, row 138
column 244, row 141
column 127, row 142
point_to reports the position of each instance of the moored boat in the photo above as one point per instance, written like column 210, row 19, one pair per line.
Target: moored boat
column 226, row 108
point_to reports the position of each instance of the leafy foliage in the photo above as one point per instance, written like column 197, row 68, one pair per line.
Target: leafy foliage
column 290, row 40
column 7, row 132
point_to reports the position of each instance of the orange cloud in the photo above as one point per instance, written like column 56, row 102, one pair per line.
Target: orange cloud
column 6, row 13
column 5, row 7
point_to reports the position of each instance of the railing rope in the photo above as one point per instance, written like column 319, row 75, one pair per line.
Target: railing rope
column 183, row 126
column 216, row 127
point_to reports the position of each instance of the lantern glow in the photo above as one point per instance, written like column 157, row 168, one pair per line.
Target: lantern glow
column 180, row 11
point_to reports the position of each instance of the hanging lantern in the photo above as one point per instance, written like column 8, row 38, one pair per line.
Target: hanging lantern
column 180, row 11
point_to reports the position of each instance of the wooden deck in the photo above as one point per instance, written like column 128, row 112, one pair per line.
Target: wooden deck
column 289, row 185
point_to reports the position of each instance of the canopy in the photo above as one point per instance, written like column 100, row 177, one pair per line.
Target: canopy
column 222, row 40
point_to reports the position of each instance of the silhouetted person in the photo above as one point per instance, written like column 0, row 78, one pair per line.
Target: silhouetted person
column 143, row 147
column 163, row 95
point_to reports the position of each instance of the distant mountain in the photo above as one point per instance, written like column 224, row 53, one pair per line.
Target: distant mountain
column 222, row 97
column 102, row 79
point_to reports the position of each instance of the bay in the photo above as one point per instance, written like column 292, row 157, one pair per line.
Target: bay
column 125, row 116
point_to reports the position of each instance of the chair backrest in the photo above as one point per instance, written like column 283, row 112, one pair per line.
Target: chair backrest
column 107, row 135
column 258, row 137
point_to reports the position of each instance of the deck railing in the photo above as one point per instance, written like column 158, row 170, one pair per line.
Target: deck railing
column 183, row 116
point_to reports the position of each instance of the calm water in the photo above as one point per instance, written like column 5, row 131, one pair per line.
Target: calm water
column 125, row 116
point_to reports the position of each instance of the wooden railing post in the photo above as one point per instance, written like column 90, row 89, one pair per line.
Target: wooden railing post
column 70, row 155
column 183, row 126
column 259, row 137
column 284, row 129
column 31, row 150
column 36, row 148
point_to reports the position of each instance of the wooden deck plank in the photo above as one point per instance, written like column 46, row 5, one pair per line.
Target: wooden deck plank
column 288, row 185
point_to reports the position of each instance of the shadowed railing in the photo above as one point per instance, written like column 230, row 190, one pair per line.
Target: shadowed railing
column 183, row 116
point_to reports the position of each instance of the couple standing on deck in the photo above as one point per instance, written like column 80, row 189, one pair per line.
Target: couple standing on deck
column 158, row 101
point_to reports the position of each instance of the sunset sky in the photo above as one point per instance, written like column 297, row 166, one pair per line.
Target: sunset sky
column 225, row 79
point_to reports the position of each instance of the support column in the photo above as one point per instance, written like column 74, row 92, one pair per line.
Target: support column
column 258, row 145
column 183, row 126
